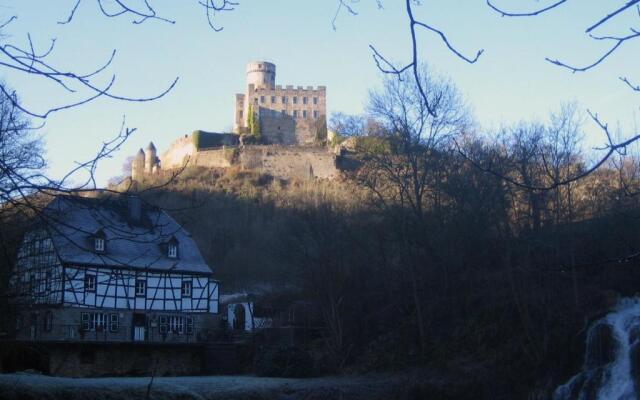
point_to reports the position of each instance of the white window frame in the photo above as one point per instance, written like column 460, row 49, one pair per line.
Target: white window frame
column 176, row 324
column 141, row 287
column 172, row 250
column 99, row 321
column 186, row 288
column 89, row 282
column 98, row 244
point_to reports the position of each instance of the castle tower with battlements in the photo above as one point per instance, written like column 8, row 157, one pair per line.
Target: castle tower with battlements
column 286, row 115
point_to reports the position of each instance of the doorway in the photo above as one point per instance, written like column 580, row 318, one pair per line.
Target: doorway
column 139, row 327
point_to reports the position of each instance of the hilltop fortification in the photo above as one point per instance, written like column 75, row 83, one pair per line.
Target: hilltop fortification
column 279, row 131
column 287, row 115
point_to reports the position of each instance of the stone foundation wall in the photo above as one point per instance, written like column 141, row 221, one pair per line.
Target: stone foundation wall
column 125, row 360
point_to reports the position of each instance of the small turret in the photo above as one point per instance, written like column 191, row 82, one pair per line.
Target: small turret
column 151, row 159
column 137, row 166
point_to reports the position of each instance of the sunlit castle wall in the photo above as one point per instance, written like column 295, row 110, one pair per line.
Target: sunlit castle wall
column 287, row 115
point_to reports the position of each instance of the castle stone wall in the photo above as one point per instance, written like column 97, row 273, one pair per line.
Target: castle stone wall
column 214, row 158
column 290, row 162
column 179, row 152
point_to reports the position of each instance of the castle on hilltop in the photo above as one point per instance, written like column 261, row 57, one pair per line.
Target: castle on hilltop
column 279, row 131
column 286, row 115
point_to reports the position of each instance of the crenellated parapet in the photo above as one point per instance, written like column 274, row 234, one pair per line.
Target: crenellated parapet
column 291, row 115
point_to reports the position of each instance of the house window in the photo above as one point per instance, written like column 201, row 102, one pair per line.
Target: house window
column 113, row 322
column 189, row 326
column 85, row 321
column 304, row 113
column 186, row 289
column 295, row 99
column 48, row 321
column 47, row 282
column 315, row 100
column 99, row 244
column 89, row 283
column 173, row 250
column 262, row 99
column 273, row 99
column 162, row 326
column 92, row 321
column 295, row 113
column 255, row 100
column 240, row 114
column 98, row 321
column 141, row 287
column 305, row 100
column 284, row 99
column 315, row 114
column 176, row 324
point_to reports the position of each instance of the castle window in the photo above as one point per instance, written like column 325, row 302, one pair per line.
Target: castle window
column 240, row 114
column 295, row 100
column 315, row 100
column 315, row 114
column 273, row 99
column 304, row 113
column 141, row 287
column 261, row 99
column 305, row 100
column 284, row 99
column 89, row 283
column 186, row 289
column 295, row 113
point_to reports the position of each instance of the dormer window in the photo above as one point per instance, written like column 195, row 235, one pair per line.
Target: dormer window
column 99, row 245
column 99, row 241
column 173, row 250
column 171, row 247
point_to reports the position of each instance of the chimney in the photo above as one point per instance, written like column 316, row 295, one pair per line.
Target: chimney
column 135, row 207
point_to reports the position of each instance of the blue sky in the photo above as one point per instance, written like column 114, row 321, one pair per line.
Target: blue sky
column 510, row 82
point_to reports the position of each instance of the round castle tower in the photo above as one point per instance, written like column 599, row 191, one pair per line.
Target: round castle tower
column 137, row 166
column 261, row 74
column 151, row 159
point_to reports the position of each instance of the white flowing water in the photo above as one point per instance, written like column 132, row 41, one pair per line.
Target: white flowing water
column 608, row 370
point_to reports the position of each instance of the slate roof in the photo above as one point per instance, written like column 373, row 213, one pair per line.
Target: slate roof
column 141, row 243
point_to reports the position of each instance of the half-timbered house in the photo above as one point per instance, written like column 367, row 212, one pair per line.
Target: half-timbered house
column 112, row 271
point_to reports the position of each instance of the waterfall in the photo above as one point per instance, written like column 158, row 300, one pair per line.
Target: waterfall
column 612, row 358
